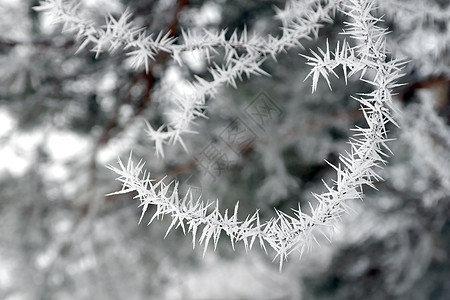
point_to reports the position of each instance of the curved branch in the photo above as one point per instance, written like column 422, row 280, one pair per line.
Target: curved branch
column 286, row 234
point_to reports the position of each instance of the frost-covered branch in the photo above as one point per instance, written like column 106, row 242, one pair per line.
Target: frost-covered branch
column 285, row 233
column 307, row 22
column 300, row 20
column 116, row 34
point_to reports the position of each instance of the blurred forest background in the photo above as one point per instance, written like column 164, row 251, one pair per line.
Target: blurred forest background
column 64, row 116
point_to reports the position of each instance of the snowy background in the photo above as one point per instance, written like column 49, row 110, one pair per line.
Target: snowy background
column 65, row 115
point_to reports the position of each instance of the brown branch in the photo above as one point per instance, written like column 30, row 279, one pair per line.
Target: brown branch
column 112, row 127
column 44, row 44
